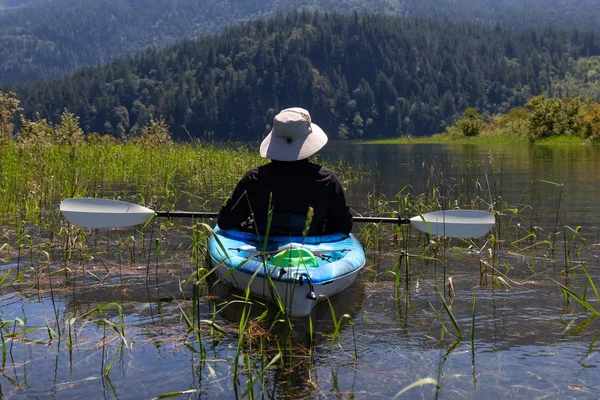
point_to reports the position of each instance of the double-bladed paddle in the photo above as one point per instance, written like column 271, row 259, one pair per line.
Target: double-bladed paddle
column 105, row 213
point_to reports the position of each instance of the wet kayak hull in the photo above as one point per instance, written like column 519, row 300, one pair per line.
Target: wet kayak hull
column 243, row 261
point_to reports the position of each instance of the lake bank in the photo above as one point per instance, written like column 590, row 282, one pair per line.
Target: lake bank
column 482, row 140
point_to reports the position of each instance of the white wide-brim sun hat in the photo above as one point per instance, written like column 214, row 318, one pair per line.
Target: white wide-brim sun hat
column 293, row 137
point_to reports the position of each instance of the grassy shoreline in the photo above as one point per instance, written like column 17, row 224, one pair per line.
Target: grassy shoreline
column 554, row 121
column 495, row 139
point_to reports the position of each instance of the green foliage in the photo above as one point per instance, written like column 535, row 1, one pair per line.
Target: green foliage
column 542, row 118
column 95, row 138
column 552, row 117
column 362, row 76
column 155, row 134
column 9, row 106
column 41, row 133
column 590, row 120
column 35, row 134
column 472, row 124
column 582, row 80
column 37, row 177
column 68, row 131
column 514, row 122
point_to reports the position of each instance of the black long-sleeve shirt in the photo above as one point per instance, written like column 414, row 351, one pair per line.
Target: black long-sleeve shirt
column 290, row 188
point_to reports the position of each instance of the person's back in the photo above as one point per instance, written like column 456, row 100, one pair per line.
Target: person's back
column 278, row 195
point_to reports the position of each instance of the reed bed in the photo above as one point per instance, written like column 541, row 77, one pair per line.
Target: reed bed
column 33, row 182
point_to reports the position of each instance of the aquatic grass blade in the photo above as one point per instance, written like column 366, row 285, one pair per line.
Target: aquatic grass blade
column 420, row 382
column 96, row 277
column 241, row 331
column 574, row 295
column 439, row 318
column 5, row 276
column 591, row 281
column 170, row 395
column 187, row 319
column 337, row 323
column 109, row 367
column 216, row 237
column 214, row 326
column 276, row 358
column 583, row 325
column 459, row 333
column 51, row 332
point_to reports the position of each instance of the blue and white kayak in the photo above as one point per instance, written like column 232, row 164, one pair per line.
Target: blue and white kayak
column 302, row 273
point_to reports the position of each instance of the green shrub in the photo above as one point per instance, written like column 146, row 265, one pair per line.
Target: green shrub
column 552, row 117
column 471, row 124
column 155, row 134
column 9, row 107
column 68, row 131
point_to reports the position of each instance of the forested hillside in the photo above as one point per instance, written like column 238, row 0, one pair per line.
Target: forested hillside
column 582, row 80
column 360, row 76
column 53, row 37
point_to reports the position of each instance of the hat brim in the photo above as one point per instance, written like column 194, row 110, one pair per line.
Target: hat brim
column 278, row 148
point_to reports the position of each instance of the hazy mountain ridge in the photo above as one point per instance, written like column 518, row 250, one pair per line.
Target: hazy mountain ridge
column 10, row 5
column 51, row 39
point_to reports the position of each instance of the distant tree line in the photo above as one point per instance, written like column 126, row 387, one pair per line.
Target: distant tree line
column 33, row 135
column 541, row 118
column 361, row 76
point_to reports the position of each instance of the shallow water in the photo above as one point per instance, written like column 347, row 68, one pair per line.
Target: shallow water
column 529, row 340
column 525, row 344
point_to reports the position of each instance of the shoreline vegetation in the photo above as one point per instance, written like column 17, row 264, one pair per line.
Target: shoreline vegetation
column 543, row 120
column 500, row 139
column 42, row 163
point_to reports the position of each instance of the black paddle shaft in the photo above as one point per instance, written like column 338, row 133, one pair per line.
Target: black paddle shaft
column 209, row 214
column 187, row 214
column 385, row 220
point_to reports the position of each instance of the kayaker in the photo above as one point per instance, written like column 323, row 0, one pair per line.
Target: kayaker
column 289, row 184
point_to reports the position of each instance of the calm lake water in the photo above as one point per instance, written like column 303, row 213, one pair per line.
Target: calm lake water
column 529, row 341
column 528, row 174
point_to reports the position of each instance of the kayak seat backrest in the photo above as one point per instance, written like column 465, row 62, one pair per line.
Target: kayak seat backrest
column 294, row 257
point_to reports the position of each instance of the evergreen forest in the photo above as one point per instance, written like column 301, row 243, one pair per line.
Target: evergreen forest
column 361, row 76
column 49, row 38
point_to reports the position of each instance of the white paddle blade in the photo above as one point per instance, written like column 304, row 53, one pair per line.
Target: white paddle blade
column 455, row 223
column 104, row 213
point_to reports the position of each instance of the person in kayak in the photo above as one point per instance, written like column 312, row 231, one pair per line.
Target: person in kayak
column 289, row 185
